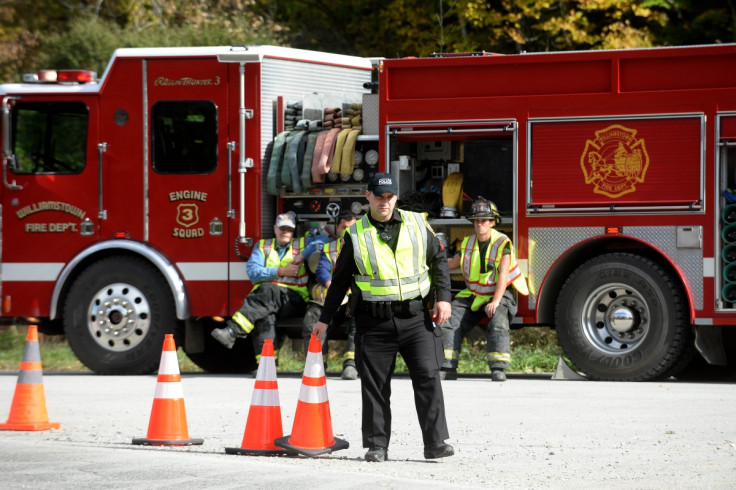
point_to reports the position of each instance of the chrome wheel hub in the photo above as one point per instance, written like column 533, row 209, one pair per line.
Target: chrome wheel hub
column 615, row 318
column 119, row 317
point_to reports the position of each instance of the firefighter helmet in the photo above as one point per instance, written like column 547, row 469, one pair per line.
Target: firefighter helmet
column 318, row 294
column 483, row 208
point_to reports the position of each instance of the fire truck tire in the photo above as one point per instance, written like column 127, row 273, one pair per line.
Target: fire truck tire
column 116, row 314
column 622, row 317
column 216, row 358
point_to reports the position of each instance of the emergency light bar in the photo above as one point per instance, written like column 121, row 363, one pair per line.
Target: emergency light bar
column 61, row 76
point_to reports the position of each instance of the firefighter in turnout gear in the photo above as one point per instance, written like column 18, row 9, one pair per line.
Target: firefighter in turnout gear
column 278, row 270
column 392, row 260
column 489, row 267
column 323, row 271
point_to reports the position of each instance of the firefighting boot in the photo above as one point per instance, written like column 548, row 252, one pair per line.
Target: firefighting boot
column 448, row 373
column 349, row 371
column 497, row 374
column 228, row 334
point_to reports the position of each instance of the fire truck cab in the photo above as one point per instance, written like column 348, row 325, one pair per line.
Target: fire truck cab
column 129, row 202
column 612, row 171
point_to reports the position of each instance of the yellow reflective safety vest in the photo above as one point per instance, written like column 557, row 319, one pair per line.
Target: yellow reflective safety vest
column 385, row 275
column 299, row 283
column 332, row 250
column 483, row 285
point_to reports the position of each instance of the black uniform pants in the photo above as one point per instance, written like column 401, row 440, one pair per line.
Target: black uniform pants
column 420, row 344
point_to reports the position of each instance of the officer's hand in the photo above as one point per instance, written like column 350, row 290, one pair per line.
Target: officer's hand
column 319, row 329
column 298, row 259
column 441, row 312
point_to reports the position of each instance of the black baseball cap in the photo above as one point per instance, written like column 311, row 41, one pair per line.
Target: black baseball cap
column 383, row 182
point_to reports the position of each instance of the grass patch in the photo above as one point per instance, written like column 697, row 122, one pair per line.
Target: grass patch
column 292, row 356
column 533, row 350
column 55, row 352
column 56, row 355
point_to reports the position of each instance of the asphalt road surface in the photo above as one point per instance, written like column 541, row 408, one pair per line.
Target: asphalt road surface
column 529, row 432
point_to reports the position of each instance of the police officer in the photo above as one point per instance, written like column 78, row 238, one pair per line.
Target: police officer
column 393, row 260
column 277, row 268
column 489, row 267
column 323, row 271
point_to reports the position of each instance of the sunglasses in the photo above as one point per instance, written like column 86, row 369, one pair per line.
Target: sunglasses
column 286, row 228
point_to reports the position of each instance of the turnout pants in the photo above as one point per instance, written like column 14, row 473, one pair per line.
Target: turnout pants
column 420, row 344
column 264, row 307
column 462, row 321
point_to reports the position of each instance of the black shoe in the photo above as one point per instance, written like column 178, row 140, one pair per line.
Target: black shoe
column 438, row 449
column 498, row 375
column 226, row 335
column 376, row 454
column 448, row 374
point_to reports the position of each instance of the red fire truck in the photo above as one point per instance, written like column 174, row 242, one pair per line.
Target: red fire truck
column 612, row 171
column 128, row 202
column 128, row 205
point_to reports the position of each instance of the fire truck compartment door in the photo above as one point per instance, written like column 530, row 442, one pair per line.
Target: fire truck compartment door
column 608, row 163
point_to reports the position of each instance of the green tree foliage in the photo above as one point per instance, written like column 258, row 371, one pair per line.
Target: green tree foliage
column 553, row 25
column 419, row 27
column 84, row 34
column 696, row 21
column 361, row 27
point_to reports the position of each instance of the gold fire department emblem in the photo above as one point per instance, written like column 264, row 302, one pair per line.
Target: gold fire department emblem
column 187, row 215
column 615, row 161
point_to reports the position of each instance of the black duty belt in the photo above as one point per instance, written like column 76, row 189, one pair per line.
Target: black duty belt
column 384, row 310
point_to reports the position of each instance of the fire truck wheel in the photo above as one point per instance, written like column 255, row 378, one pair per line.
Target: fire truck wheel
column 216, row 358
column 116, row 314
column 622, row 317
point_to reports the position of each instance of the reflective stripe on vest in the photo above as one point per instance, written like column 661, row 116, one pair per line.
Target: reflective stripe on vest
column 483, row 285
column 332, row 250
column 299, row 283
column 385, row 275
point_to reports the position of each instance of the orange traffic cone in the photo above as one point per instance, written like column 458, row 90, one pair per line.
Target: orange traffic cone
column 312, row 431
column 264, row 416
column 168, row 423
column 28, row 410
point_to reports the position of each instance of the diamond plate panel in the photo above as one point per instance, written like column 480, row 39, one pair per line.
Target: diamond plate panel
column 546, row 245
